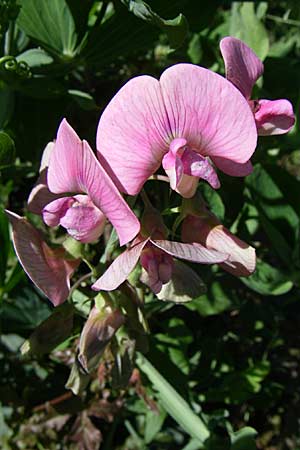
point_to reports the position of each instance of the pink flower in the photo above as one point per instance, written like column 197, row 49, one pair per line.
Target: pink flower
column 208, row 231
column 243, row 68
column 47, row 268
column 73, row 168
column 188, row 121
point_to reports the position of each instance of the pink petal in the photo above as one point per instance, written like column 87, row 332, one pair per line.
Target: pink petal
column 232, row 168
column 133, row 132
column 274, row 117
column 83, row 220
column 196, row 165
column 242, row 66
column 120, row 268
column 46, row 267
column 53, row 212
column 209, row 232
column 74, row 168
column 78, row 214
column 191, row 252
column 242, row 259
column 209, row 112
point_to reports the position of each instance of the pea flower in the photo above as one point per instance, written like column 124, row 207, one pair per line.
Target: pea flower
column 190, row 121
column 48, row 268
column 243, row 68
column 73, row 168
column 155, row 254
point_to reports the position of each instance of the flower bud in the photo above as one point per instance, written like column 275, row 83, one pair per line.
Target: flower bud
column 97, row 332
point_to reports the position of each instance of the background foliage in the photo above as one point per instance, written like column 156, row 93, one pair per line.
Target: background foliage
column 231, row 356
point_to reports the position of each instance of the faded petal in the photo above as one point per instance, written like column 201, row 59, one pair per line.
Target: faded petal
column 74, row 168
column 40, row 194
column 274, row 117
column 242, row 66
column 120, row 268
column 191, row 252
column 46, row 267
column 209, row 232
column 190, row 103
column 232, row 168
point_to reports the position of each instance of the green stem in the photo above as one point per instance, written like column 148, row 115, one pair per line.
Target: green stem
column 173, row 403
column 10, row 38
column 295, row 23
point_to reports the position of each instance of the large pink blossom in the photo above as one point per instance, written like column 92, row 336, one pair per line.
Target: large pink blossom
column 189, row 121
column 48, row 268
column 74, row 169
column 243, row 68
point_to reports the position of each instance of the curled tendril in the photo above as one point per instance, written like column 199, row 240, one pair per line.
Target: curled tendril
column 11, row 65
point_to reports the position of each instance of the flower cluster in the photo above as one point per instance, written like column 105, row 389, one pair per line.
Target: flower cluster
column 190, row 123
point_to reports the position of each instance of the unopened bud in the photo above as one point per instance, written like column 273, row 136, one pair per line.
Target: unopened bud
column 97, row 332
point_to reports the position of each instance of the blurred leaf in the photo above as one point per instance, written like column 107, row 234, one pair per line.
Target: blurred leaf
column 154, row 423
column 35, row 57
column 52, row 331
column 277, row 217
column 6, row 104
column 26, row 311
column 215, row 301
column 7, row 150
column 50, row 24
column 268, row 280
column 244, row 439
column 173, row 403
column 176, row 28
column 83, row 99
column 184, row 286
column 214, row 201
column 246, row 26
column 195, row 51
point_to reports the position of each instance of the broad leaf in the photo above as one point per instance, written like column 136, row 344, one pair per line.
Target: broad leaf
column 50, row 24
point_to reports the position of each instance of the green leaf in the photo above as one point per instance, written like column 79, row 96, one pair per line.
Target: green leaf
column 173, row 403
column 184, row 286
column 25, row 312
column 278, row 218
column 214, row 201
column 7, row 150
column 195, row 51
column 268, row 280
column 246, row 26
column 52, row 331
column 35, row 58
column 176, row 28
column 244, row 439
column 154, row 422
column 50, row 24
column 215, row 301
